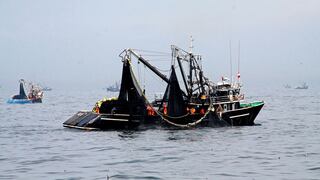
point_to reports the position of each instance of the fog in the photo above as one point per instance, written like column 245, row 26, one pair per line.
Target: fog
column 75, row 44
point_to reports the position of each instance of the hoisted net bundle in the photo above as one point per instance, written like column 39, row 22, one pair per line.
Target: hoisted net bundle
column 22, row 94
column 173, row 98
column 130, row 100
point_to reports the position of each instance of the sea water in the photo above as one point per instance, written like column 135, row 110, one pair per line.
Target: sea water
column 284, row 145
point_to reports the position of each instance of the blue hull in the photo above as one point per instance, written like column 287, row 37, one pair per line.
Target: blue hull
column 19, row 101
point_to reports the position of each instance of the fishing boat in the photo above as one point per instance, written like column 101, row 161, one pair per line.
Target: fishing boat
column 35, row 94
column 196, row 102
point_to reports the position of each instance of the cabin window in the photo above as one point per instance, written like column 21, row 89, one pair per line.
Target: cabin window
column 225, row 106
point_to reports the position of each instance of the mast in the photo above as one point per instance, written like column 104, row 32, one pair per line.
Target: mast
column 190, row 72
column 201, row 77
column 190, row 65
column 191, row 45
column 238, row 75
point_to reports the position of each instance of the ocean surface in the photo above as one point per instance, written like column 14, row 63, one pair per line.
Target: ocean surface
column 285, row 143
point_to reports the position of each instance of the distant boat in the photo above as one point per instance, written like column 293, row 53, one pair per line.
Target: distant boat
column 46, row 89
column 114, row 88
column 303, row 86
column 287, row 86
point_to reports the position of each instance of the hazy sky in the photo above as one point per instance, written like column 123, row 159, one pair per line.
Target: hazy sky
column 73, row 42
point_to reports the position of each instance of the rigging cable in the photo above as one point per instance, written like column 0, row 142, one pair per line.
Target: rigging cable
column 156, row 52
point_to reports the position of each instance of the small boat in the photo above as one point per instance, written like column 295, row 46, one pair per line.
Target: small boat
column 114, row 88
column 303, row 86
column 34, row 96
column 201, row 103
column 46, row 88
column 287, row 86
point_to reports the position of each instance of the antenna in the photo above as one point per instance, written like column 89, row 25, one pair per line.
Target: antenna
column 238, row 75
column 230, row 62
column 191, row 44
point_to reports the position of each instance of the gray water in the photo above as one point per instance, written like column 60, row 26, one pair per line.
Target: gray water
column 285, row 144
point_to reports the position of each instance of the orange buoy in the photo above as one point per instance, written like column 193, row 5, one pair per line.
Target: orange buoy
column 165, row 110
column 202, row 111
column 192, row 110
column 150, row 111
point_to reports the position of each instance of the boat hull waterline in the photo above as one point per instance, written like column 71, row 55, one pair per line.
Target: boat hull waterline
column 23, row 101
column 88, row 120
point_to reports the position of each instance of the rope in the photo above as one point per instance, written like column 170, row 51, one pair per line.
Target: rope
column 162, row 70
column 178, row 117
column 156, row 55
column 189, row 125
column 156, row 52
